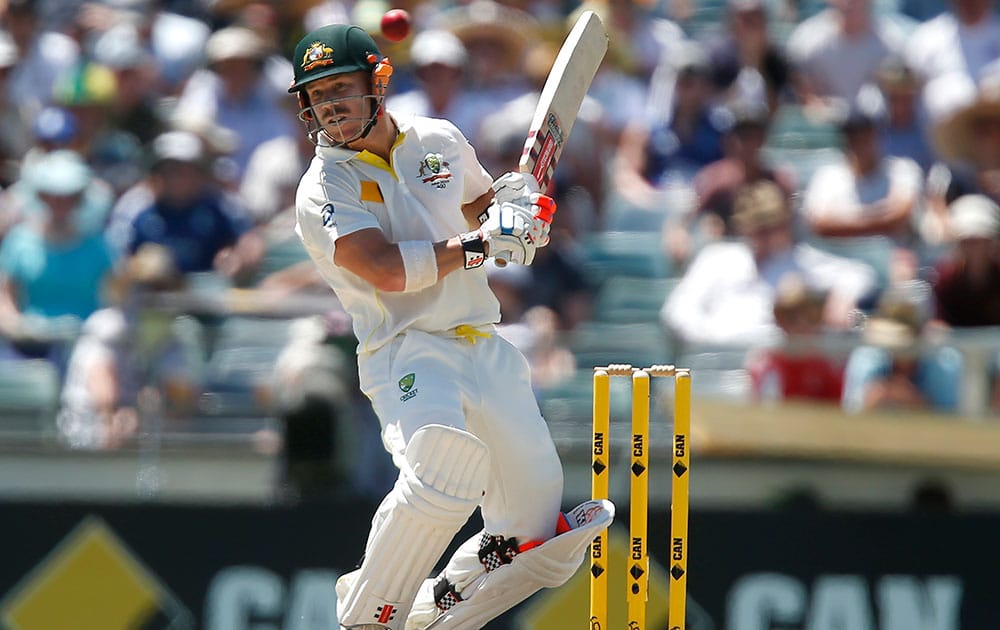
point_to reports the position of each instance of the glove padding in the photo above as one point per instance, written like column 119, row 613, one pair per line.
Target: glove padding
column 509, row 234
column 514, row 185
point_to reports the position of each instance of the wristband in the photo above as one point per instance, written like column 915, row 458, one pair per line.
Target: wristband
column 419, row 264
column 474, row 248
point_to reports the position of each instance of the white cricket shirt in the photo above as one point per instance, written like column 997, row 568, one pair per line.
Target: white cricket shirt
column 417, row 195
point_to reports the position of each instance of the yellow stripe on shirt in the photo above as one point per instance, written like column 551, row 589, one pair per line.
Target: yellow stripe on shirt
column 370, row 191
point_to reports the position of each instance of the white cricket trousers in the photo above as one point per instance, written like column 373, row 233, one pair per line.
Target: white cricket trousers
column 484, row 388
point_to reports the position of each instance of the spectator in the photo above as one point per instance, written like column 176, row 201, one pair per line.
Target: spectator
column 904, row 134
column 638, row 58
column 967, row 139
column 175, row 41
column 716, row 184
column 134, row 108
column 440, row 64
column 272, row 174
column 94, row 413
column 746, row 49
column 51, row 273
column 55, row 130
column 125, row 347
column 14, row 130
column 896, row 370
column 967, row 284
column 43, row 56
column 968, row 142
column 868, row 194
column 496, row 37
column 726, row 296
column 963, row 39
column 799, row 367
column 190, row 215
column 235, row 92
column 652, row 155
column 836, row 52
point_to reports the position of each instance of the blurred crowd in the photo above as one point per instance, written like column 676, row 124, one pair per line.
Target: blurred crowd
column 807, row 192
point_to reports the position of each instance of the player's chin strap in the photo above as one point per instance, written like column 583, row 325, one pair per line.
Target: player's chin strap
column 380, row 81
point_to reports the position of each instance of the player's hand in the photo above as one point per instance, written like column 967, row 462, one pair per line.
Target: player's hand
column 509, row 234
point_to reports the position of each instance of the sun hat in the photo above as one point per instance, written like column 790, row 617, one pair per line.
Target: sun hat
column 974, row 216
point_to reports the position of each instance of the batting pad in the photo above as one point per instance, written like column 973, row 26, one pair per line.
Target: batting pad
column 546, row 566
column 441, row 481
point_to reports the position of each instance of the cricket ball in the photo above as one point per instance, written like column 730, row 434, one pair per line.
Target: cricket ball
column 396, row 25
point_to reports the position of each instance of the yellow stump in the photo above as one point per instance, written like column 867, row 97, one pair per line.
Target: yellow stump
column 638, row 571
column 600, row 470
column 681, row 471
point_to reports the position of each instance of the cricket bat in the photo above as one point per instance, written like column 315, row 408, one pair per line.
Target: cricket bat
column 568, row 81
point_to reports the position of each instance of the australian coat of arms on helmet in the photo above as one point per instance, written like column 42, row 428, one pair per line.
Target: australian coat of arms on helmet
column 317, row 55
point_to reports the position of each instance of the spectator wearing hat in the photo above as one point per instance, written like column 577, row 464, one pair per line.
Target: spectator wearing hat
column 837, row 51
column 868, row 194
column 716, row 185
column 496, row 38
column 964, row 128
column 967, row 283
column 968, row 141
column 55, row 131
column 234, row 92
column 726, row 296
column 895, row 370
column 52, row 272
column 190, row 215
column 440, row 65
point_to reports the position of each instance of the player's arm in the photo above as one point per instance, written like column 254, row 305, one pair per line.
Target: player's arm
column 475, row 211
column 368, row 254
column 509, row 231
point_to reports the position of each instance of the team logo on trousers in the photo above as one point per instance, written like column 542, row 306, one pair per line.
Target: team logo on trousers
column 434, row 170
column 406, row 386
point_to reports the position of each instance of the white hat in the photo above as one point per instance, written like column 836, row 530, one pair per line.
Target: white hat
column 61, row 173
column 178, row 146
column 438, row 46
column 234, row 42
column 974, row 216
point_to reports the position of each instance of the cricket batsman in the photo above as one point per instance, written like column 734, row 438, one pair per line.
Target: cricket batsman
column 399, row 216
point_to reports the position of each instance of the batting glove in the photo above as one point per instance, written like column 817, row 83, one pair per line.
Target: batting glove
column 509, row 234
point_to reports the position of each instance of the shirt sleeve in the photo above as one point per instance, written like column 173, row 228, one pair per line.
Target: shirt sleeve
column 328, row 208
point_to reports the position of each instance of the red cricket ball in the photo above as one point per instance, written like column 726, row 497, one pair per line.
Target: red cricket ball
column 396, row 25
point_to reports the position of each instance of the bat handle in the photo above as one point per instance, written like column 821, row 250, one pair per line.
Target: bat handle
column 501, row 259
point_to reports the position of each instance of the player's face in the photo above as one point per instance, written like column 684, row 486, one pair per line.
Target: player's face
column 340, row 104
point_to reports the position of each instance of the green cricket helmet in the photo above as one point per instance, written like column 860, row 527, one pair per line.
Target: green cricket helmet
column 333, row 49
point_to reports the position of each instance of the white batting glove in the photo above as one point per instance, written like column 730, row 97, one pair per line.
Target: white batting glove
column 509, row 234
